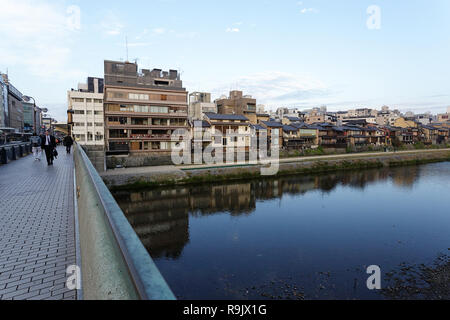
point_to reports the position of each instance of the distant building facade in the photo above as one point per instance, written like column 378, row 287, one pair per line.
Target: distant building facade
column 86, row 116
column 3, row 102
column 142, row 109
column 199, row 104
column 15, row 108
column 28, row 116
column 230, row 131
column 237, row 103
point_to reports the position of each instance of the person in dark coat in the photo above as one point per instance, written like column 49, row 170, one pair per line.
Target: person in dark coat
column 49, row 145
column 68, row 142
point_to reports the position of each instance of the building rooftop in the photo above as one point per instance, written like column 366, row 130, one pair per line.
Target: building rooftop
column 272, row 124
column 292, row 118
column 217, row 116
column 119, row 73
column 289, row 128
column 257, row 127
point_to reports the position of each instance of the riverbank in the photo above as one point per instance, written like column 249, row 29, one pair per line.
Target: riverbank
column 147, row 177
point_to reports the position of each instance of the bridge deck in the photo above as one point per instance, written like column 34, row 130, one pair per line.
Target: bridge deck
column 37, row 228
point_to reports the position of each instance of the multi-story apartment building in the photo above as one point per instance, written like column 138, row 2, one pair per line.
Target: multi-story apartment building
column 142, row 109
column 315, row 117
column 199, row 104
column 86, row 116
column 443, row 117
column 362, row 112
column 230, row 131
column 237, row 103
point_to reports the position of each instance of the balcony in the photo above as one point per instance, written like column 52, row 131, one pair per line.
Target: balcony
column 151, row 136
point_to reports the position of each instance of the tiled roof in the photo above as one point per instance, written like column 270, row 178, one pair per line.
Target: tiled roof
column 292, row 118
column 217, row 116
column 257, row 127
column 201, row 123
column 272, row 124
column 289, row 128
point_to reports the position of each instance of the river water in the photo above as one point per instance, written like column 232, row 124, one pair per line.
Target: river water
column 298, row 237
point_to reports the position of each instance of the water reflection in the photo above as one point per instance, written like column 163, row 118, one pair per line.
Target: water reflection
column 161, row 216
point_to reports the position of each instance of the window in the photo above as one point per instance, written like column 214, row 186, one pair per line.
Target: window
column 159, row 122
column 89, row 112
column 79, row 137
column 99, row 124
column 137, row 96
column 98, row 112
column 117, row 120
column 98, row 101
column 154, row 109
column 77, row 99
column 139, row 121
column 164, row 97
column 118, row 95
column 140, row 108
column 78, row 112
column 161, row 83
column 88, row 100
column 125, row 108
column 118, row 133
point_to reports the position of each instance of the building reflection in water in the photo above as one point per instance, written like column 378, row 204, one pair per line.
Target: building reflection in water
column 160, row 216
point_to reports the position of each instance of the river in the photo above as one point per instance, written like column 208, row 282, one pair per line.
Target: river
column 301, row 237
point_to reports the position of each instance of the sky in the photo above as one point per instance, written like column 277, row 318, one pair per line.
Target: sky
column 287, row 53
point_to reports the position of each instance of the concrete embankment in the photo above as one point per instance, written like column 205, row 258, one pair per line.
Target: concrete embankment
column 144, row 177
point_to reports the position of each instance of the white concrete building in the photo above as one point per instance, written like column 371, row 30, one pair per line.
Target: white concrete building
column 199, row 104
column 86, row 107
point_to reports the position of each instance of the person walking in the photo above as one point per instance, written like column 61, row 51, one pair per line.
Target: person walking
column 49, row 145
column 68, row 142
column 36, row 146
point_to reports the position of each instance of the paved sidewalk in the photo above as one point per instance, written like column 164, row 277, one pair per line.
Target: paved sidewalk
column 37, row 228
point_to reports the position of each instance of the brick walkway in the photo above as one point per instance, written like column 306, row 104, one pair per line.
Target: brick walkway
column 37, row 228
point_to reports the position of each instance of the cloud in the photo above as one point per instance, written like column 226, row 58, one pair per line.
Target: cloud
column 41, row 42
column 134, row 44
column 232, row 30
column 187, row 35
column 159, row 31
column 309, row 10
column 111, row 24
column 278, row 88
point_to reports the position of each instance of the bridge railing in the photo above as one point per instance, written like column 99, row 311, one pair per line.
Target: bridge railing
column 114, row 262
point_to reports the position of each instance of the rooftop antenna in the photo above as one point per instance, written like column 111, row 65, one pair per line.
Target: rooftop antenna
column 126, row 45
